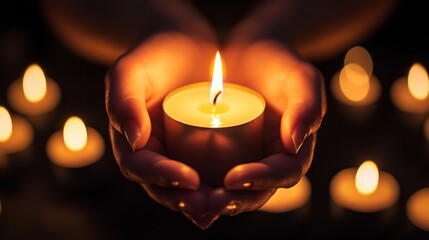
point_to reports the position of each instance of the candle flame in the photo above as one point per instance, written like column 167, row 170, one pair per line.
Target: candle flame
column 418, row 82
column 366, row 180
column 360, row 56
column 34, row 83
column 5, row 125
column 75, row 134
column 216, row 89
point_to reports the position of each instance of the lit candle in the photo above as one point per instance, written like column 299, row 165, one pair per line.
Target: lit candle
column 214, row 127
column 411, row 94
column 76, row 146
column 364, row 190
column 16, row 133
column 418, row 209
column 289, row 199
column 355, row 84
column 34, row 93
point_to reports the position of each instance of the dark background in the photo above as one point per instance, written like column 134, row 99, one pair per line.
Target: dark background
column 42, row 201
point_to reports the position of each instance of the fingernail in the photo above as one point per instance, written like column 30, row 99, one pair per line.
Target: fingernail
column 232, row 208
column 175, row 183
column 298, row 136
column 184, row 185
column 239, row 185
column 246, row 185
column 181, row 205
column 132, row 133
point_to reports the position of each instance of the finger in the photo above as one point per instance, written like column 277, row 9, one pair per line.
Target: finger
column 278, row 170
column 192, row 203
column 149, row 167
column 231, row 202
column 126, row 88
column 305, row 100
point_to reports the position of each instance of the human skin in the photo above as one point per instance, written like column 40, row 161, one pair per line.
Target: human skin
column 151, row 49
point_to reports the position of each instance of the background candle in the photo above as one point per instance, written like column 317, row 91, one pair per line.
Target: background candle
column 418, row 209
column 364, row 200
column 34, row 93
column 214, row 129
column 352, row 86
column 411, row 94
column 16, row 133
column 365, row 189
column 355, row 86
column 76, row 146
column 289, row 199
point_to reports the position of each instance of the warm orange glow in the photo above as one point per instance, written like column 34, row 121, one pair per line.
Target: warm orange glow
column 360, row 56
column 354, row 82
column 366, row 180
column 287, row 199
column 34, row 83
column 418, row 209
column 5, row 125
column 418, row 82
column 75, row 134
column 216, row 90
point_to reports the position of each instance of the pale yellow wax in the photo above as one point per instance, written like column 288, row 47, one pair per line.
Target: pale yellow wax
column 211, row 139
column 63, row 156
column 404, row 100
column 418, row 209
column 21, row 138
column 288, row 199
column 191, row 105
column 345, row 194
column 21, row 104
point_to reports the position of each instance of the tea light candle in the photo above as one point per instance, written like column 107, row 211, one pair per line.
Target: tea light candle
column 365, row 189
column 76, row 146
column 411, row 94
column 214, row 127
column 16, row 133
column 288, row 199
column 34, row 94
column 355, row 84
column 418, row 209
column 354, row 87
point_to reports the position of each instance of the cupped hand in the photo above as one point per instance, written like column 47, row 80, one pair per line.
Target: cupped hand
column 136, row 85
column 296, row 104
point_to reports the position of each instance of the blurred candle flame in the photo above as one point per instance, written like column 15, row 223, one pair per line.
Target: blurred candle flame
column 366, row 180
column 5, row 124
column 354, row 82
column 418, row 82
column 34, row 83
column 360, row 56
column 216, row 89
column 75, row 134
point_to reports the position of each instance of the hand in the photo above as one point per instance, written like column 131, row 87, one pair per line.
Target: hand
column 135, row 87
column 296, row 104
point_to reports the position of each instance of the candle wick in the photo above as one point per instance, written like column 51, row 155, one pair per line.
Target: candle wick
column 216, row 97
